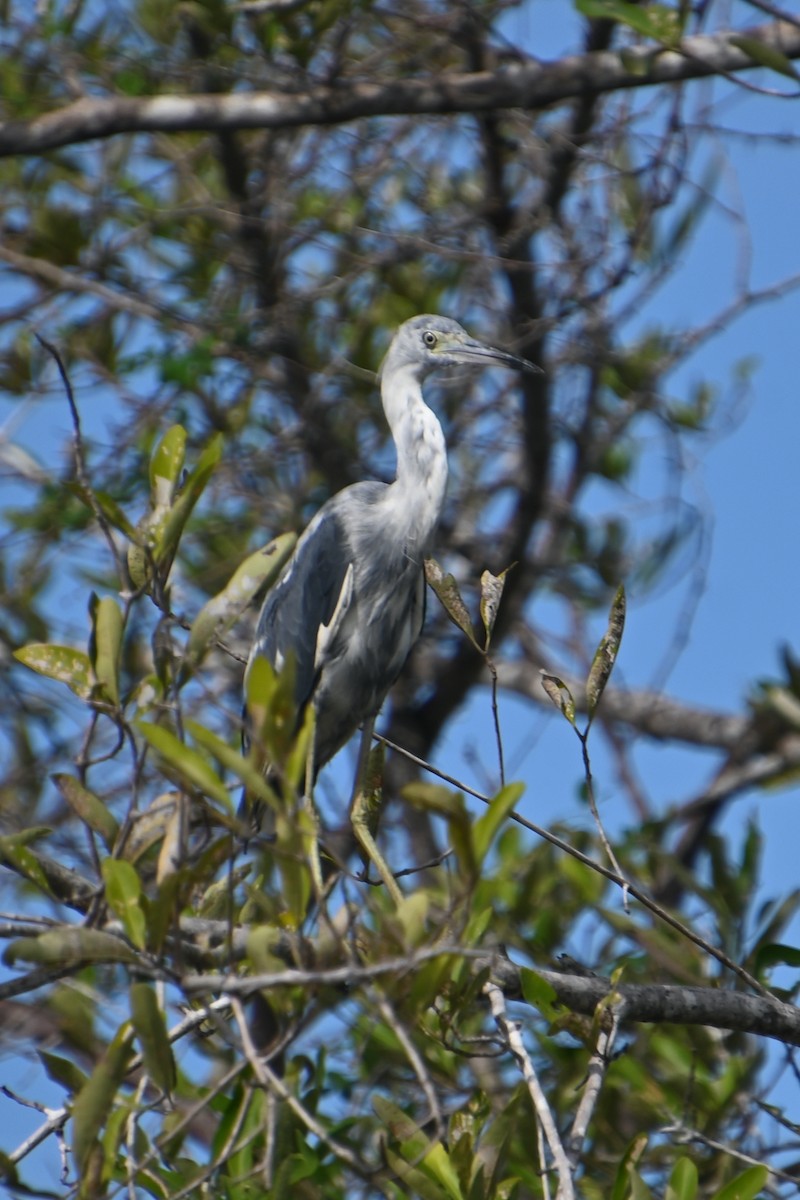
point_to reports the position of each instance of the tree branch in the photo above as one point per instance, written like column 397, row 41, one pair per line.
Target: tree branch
column 720, row 1008
column 529, row 86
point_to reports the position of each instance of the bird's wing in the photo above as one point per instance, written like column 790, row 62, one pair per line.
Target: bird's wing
column 302, row 612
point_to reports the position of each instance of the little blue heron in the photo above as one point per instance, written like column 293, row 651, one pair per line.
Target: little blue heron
column 350, row 603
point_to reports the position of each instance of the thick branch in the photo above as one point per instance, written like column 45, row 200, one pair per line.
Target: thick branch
column 670, row 1003
column 719, row 1008
column 530, row 86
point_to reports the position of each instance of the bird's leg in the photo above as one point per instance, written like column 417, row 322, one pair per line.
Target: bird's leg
column 308, row 800
column 362, row 814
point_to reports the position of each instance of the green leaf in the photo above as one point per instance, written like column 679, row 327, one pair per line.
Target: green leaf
column 401, row 1127
column 14, row 850
column 95, row 1101
column 218, row 615
column 296, row 766
column 88, row 807
column 775, row 954
column 486, row 828
column 105, row 644
column 541, row 994
column 437, row 1163
column 415, row 1181
column 158, row 533
column 683, row 1181
column 124, row 895
column 449, row 596
column 62, row 1071
column 232, row 760
column 192, row 490
column 148, row 1022
column 606, row 653
column 166, row 465
column 765, row 56
column 655, row 21
column 294, row 842
column 63, row 663
column 69, row 945
column 622, row 1186
column 639, row 1189
column 745, row 1186
column 107, row 505
column 271, row 709
column 434, row 797
column 188, row 764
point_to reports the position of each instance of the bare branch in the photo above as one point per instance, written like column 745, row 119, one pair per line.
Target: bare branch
column 513, row 1038
column 595, row 1074
column 528, row 86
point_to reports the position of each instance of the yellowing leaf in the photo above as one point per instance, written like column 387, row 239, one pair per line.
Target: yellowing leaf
column 606, row 653
column 218, row 614
column 105, row 644
column 491, row 594
column 63, row 663
column 166, row 465
column 765, row 56
column 449, row 596
column 560, row 695
column 70, row 945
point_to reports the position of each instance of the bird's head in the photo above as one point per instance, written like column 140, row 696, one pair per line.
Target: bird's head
column 427, row 342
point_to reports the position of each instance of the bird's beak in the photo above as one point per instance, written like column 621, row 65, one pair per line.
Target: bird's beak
column 471, row 351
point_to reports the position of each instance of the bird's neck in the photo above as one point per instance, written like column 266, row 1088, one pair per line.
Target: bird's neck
column 417, row 495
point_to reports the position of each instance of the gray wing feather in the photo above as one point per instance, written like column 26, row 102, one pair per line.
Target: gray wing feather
column 304, row 600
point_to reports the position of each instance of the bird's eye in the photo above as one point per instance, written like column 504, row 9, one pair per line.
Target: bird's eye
column 429, row 338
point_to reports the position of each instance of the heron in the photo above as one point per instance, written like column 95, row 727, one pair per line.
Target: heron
column 350, row 603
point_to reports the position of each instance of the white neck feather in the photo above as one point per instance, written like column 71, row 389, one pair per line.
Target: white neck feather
column 417, row 495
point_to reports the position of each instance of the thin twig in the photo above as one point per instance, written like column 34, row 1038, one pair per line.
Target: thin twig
column 200, row 1106
column 496, row 718
column 510, row 1031
column 595, row 1074
column 415, row 1058
column 613, row 877
column 683, row 1135
column 56, row 1118
column 224, row 1152
column 80, row 462
column 269, row 1080
column 131, row 1165
column 583, row 738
